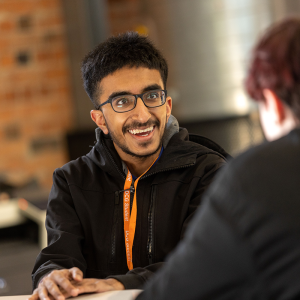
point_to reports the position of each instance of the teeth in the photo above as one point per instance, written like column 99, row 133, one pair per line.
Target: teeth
column 135, row 131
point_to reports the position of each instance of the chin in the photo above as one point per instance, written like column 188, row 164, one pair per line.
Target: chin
column 142, row 152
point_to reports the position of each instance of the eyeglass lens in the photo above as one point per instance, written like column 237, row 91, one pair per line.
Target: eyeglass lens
column 127, row 102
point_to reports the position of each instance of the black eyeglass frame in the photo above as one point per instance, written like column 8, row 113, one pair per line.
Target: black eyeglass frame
column 136, row 97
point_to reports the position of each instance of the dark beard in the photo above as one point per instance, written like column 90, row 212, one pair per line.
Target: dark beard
column 125, row 129
column 140, row 157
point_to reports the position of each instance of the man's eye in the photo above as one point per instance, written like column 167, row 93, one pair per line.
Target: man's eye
column 153, row 95
column 122, row 101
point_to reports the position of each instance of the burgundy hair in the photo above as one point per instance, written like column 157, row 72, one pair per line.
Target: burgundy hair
column 275, row 64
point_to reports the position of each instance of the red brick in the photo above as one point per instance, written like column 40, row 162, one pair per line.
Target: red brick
column 51, row 55
column 56, row 73
column 17, row 6
column 51, row 21
column 6, row 26
column 49, row 3
column 6, row 60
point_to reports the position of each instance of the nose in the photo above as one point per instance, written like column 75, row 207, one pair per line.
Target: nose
column 141, row 112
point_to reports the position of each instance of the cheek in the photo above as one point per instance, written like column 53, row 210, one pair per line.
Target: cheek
column 119, row 123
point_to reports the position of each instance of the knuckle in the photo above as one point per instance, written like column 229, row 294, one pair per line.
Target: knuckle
column 50, row 284
column 44, row 282
column 74, row 270
column 64, row 282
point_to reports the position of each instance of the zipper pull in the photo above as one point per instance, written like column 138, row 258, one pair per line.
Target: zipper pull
column 131, row 190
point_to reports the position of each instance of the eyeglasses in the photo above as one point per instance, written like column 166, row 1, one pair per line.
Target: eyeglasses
column 124, row 103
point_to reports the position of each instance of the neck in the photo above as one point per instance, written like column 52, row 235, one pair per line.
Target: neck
column 137, row 165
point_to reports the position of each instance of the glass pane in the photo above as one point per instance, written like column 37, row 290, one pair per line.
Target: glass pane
column 123, row 103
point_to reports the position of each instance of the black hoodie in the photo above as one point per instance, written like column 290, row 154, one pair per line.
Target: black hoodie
column 85, row 209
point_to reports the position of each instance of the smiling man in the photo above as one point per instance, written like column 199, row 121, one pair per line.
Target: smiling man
column 114, row 214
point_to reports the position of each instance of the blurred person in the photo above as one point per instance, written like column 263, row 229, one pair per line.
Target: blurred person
column 141, row 182
column 244, row 243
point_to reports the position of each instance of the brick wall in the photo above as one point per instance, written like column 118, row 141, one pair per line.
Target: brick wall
column 35, row 100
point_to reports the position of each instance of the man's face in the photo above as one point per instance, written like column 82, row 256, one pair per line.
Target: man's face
column 137, row 132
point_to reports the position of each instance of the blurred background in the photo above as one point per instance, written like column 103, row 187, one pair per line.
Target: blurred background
column 44, row 111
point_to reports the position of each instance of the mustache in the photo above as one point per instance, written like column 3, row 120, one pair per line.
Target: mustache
column 137, row 125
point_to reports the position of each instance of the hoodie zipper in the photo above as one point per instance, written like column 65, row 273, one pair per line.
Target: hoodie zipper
column 150, row 225
column 150, row 249
column 115, row 223
column 150, row 246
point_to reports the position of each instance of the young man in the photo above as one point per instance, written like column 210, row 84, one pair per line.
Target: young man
column 119, row 210
column 245, row 241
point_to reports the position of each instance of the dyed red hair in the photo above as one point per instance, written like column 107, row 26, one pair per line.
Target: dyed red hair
column 275, row 64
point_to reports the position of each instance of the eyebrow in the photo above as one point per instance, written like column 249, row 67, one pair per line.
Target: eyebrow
column 146, row 89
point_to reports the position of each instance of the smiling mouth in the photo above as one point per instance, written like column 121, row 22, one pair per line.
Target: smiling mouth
column 141, row 132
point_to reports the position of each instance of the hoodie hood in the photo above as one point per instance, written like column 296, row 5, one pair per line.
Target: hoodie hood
column 106, row 157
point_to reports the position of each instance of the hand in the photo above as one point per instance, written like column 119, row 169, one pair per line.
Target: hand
column 92, row 285
column 59, row 284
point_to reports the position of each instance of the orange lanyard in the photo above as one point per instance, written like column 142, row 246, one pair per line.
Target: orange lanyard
column 130, row 219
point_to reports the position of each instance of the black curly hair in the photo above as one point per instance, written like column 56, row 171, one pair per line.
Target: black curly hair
column 125, row 50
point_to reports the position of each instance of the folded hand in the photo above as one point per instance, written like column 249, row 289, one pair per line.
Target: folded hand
column 62, row 284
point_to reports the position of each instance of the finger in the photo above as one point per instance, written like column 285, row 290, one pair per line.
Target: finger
column 34, row 296
column 65, row 293
column 43, row 293
column 52, row 288
column 61, row 278
column 58, row 273
column 76, row 274
column 66, row 285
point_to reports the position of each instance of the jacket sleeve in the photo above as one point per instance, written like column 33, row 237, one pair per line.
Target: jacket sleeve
column 64, row 230
column 211, row 262
column 137, row 277
column 209, row 165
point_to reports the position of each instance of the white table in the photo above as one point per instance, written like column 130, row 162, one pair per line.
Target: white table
column 115, row 295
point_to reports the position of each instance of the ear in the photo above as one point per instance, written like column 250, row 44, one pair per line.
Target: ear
column 168, row 107
column 98, row 117
column 274, row 106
